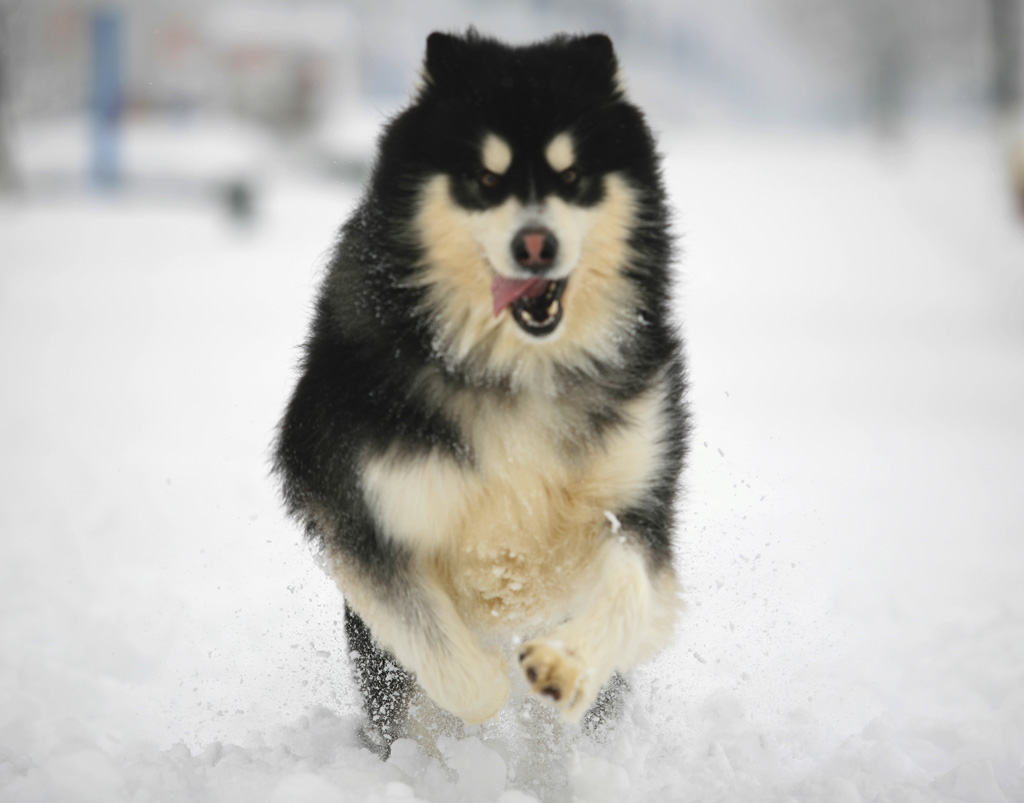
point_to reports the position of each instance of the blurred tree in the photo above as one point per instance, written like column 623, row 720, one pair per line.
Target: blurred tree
column 107, row 97
column 1007, row 91
column 7, row 176
column 1007, row 34
column 891, row 59
column 886, row 51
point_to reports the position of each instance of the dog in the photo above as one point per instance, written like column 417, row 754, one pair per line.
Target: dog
column 488, row 431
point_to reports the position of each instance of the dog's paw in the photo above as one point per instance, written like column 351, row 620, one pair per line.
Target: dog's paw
column 489, row 699
column 474, row 691
column 556, row 674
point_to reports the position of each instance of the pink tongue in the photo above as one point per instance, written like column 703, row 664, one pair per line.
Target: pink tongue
column 505, row 291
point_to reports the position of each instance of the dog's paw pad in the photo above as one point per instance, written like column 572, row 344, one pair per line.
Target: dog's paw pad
column 552, row 672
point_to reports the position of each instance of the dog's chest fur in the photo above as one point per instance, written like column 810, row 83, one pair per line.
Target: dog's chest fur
column 509, row 534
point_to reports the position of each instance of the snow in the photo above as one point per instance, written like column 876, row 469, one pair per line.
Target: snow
column 851, row 538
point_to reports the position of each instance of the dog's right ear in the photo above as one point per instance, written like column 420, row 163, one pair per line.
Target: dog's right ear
column 444, row 58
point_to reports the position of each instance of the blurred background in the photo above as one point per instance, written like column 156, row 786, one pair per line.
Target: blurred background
column 848, row 184
column 193, row 97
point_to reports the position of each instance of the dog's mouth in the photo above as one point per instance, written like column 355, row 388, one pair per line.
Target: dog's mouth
column 536, row 303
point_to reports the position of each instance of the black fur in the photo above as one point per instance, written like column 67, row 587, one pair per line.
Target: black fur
column 385, row 686
column 369, row 346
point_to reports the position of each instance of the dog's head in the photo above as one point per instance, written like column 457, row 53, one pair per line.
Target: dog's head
column 532, row 192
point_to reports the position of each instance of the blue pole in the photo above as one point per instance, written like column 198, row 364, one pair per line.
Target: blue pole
column 106, row 97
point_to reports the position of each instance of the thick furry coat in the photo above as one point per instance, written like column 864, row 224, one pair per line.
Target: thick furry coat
column 477, row 478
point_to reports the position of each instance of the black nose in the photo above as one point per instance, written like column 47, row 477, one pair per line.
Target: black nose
column 535, row 249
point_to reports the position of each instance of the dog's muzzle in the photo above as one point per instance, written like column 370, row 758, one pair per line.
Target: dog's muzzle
column 536, row 303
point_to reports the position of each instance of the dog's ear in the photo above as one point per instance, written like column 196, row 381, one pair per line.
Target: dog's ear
column 444, row 60
column 599, row 46
column 597, row 51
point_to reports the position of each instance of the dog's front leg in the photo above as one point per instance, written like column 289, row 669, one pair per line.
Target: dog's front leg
column 415, row 620
column 625, row 614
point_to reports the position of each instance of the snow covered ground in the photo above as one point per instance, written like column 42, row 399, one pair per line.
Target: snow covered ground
column 852, row 544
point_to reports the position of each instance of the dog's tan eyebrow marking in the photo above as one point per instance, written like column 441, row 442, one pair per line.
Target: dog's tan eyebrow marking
column 560, row 153
column 496, row 154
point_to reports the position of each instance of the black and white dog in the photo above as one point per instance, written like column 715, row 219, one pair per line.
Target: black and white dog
column 489, row 428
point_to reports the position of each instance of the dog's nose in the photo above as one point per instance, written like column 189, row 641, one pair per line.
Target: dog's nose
column 535, row 249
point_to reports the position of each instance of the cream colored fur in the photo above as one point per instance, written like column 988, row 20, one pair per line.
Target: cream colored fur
column 560, row 152
column 465, row 248
column 509, row 547
column 621, row 616
column 496, row 154
column 430, row 639
column 523, row 541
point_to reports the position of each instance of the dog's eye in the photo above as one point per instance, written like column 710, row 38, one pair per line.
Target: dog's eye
column 489, row 179
column 569, row 175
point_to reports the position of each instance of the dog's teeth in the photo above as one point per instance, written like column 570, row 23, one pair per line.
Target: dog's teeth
column 553, row 309
column 528, row 317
